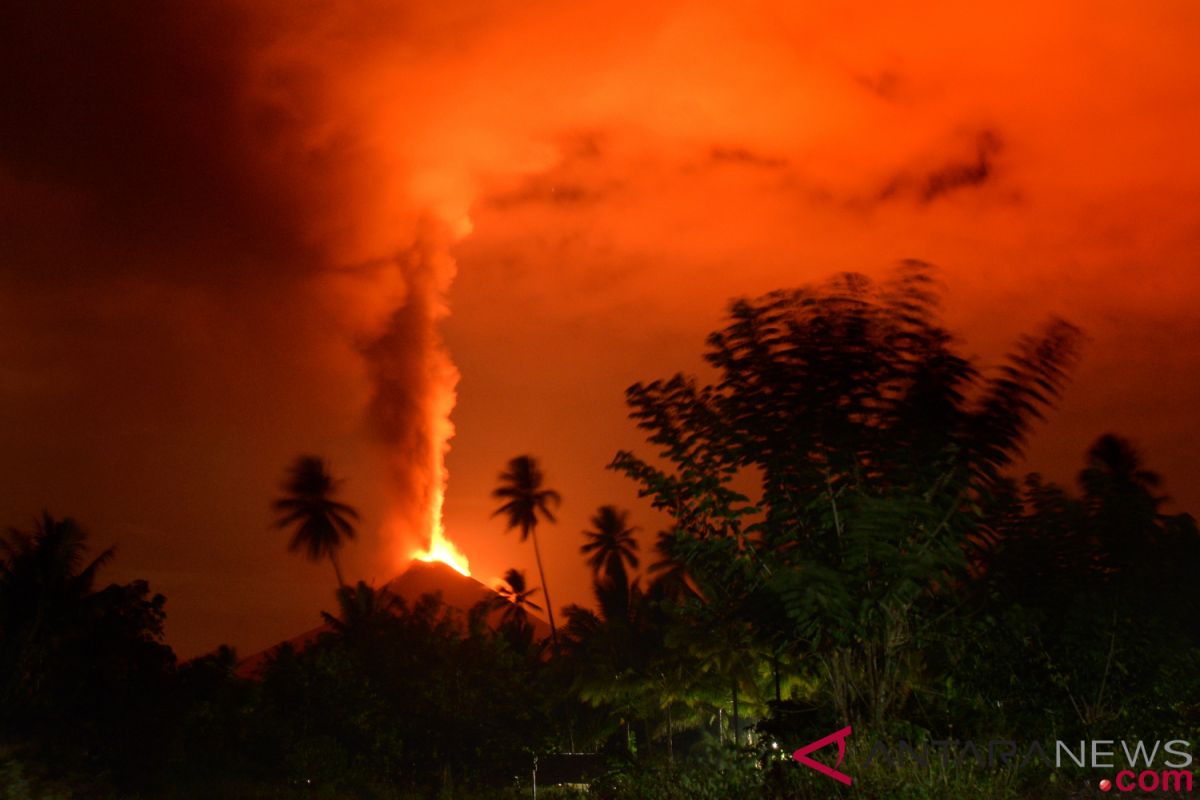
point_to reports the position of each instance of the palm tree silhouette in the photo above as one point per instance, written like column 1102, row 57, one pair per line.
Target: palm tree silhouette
column 525, row 500
column 50, row 556
column 320, row 523
column 513, row 597
column 1122, row 501
column 362, row 612
column 44, row 586
column 611, row 545
column 669, row 571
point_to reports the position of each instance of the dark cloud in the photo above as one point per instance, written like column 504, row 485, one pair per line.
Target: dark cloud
column 885, row 84
column 189, row 252
column 963, row 174
column 140, row 112
column 746, row 157
column 551, row 191
column 580, row 177
column 966, row 172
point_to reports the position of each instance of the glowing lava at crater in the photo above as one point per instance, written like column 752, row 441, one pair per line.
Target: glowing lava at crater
column 440, row 548
column 443, row 550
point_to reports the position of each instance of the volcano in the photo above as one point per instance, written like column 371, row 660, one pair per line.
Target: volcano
column 420, row 578
column 427, row 577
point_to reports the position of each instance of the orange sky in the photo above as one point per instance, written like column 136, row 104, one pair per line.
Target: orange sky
column 207, row 217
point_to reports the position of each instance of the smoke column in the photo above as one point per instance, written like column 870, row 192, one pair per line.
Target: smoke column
column 413, row 382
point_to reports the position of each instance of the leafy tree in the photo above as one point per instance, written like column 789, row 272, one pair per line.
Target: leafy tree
column 525, row 501
column 636, row 659
column 321, row 524
column 610, row 649
column 836, row 469
column 83, row 671
column 413, row 704
column 1088, row 600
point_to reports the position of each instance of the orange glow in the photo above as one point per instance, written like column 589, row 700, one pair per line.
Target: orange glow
column 440, row 548
column 443, row 550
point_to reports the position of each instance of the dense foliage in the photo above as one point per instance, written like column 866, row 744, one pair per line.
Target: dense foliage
column 844, row 543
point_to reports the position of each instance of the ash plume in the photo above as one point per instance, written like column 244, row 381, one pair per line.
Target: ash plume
column 413, row 381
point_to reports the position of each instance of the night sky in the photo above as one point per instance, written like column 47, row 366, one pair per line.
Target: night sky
column 232, row 232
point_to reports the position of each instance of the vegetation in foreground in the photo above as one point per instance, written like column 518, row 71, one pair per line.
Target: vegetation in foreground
column 846, row 545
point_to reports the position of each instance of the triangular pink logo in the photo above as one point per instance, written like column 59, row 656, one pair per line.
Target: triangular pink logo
column 801, row 755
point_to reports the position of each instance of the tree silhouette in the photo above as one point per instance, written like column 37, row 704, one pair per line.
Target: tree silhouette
column 320, row 523
column 610, row 544
column 668, row 573
column 513, row 597
column 525, row 501
column 44, row 584
column 1122, row 502
column 83, row 672
column 1089, row 599
column 362, row 611
column 835, row 467
column 634, row 657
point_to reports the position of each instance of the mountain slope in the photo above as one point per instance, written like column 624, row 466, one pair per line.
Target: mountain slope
column 420, row 578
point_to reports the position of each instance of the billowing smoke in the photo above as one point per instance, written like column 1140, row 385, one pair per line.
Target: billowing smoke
column 216, row 253
column 413, row 380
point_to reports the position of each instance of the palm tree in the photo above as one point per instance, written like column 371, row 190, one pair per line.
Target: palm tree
column 669, row 571
column 321, row 523
column 611, row 544
column 44, row 586
column 363, row 612
column 514, row 598
column 51, row 557
column 1123, row 504
column 525, row 500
